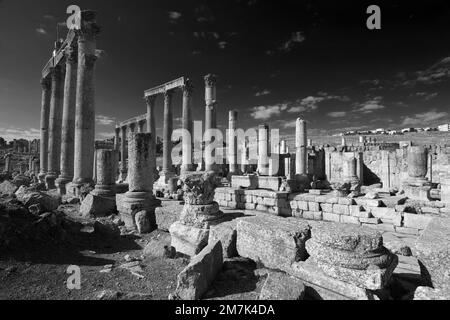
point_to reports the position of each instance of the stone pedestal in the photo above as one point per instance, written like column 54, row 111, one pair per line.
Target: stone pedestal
column 190, row 234
column 139, row 198
column 350, row 174
column 107, row 162
column 417, row 186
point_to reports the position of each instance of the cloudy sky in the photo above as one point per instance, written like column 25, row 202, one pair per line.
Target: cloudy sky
column 276, row 61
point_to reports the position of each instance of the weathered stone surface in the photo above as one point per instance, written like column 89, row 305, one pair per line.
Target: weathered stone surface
column 281, row 286
column 373, row 278
column 346, row 237
column 159, row 247
column 199, row 188
column 144, row 221
column 348, row 259
column 433, row 251
column 427, row 293
column 273, row 241
column 97, row 206
column 106, row 227
column 194, row 280
column 418, row 221
column 48, row 201
column 167, row 215
column 200, row 215
column 226, row 233
column 7, row 188
column 188, row 240
column 326, row 287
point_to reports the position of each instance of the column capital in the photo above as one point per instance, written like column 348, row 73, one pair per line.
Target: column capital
column 168, row 94
column 72, row 53
column 210, row 80
column 150, row 100
column 188, row 89
column 89, row 27
column 46, row 83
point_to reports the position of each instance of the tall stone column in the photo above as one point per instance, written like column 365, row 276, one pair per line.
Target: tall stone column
column 232, row 144
column 263, row 150
column 151, row 128
column 107, row 162
column 55, row 123
column 300, row 144
column 8, row 163
column 45, row 112
column 85, row 100
column 167, row 137
column 117, row 139
column 140, row 125
column 417, row 186
column 123, row 155
column 137, row 206
column 210, row 118
column 68, row 122
column 188, row 139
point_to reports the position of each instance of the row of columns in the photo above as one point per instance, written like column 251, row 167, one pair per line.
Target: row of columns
column 68, row 112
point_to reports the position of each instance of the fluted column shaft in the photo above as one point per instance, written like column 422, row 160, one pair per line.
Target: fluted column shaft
column 188, row 143
column 45, row 111
column 151, row 128
column 300, row 144
column 68, row 118
column 263, row 150
column 232, row 143
column 167, row 133
column 123, row 154
column 55, row 123
column 210, row 119
column 85, row 100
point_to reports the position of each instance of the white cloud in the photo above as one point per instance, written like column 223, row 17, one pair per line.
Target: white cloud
column 41, row 31
column 262, row 93
column 174, row 15
column 337, row 114
column 426, row 96
column 222, row 44
column 266, row 112
column 425, row 118
column 370, row 106
column 12, row 133
column 311, row 103
column 105, row 120
column 296, row 37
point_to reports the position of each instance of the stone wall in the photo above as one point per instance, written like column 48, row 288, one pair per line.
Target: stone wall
column 395, row 214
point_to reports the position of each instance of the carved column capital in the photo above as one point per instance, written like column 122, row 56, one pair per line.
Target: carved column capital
column 89, row 27
column 150, row 101
column 210, row 80
column 168, row 95
column 72, row 53
column 188, row 89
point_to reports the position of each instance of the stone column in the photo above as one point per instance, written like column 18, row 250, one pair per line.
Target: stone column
column 310, row 143
column 140, row 125
column 68, row 124
column 188, row 139
column 361, row 139
column 123, row 155
column 300, row 144
column 45, row 112
column 8, row 163
column 343, row 142
column 232, row 143
column 137, row 206
column 36, row 167
column 283, row 147
column 85, row 100
column 445, row 189
column 417, row 185
column 117, row 139
column 263, row 150
column 210, row 118
column 55, row 122
column 167, row 135
column 107, row 162
column 245, row 157
column 350, row 173
column 151, row 128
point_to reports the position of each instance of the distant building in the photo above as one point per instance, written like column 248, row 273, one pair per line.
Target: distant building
column 408, row 130
column 394, row 132
column 444, row 127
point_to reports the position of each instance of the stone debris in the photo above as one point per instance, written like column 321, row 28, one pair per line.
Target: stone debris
column 280, row 286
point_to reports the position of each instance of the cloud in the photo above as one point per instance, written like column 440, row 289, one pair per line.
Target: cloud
column 12, row 133
column 49, row 17
column 174, row 16
column 262, row 93
column 266, row 112
column 296, row 37
column 370, row 106
column 425, row 95
column 311, row 103
column 337, row 114
column 105, row 135
column 222, row 44
column 105, row 120
column 204, row 14
column 41, row 31
column 428, row 117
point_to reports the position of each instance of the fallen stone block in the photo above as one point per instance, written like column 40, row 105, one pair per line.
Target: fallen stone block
column 275, row 242
column 96, row 206
column 188, row 240
column 226, row 233
column 417, row 221
column 7, row 188
column 168, row 214
column 427, row 293
column 194, row 280
column 281, row 286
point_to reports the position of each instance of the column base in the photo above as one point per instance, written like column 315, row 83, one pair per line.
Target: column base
column 61, row 184
column 104, row 190
column 417, row 192
column 50, row 179
column 73, row 189
column 131, row 203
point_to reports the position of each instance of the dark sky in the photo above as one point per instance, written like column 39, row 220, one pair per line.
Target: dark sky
column 276, row 60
